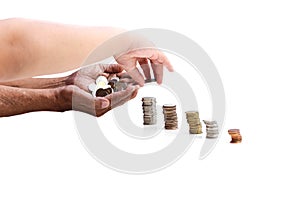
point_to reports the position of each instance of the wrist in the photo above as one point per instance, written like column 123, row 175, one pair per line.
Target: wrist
column 63, row 97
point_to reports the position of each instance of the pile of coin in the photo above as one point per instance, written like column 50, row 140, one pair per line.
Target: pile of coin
column 103, row 87
column 235, row 135
column 170, row 116
column 149, row 110
column 211, row 129
column 193, row 120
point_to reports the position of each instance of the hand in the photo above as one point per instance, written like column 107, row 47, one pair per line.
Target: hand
column 156, row 60
column 76, row 92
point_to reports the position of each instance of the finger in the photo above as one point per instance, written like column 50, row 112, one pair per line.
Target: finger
column 134, row 94
column 126, row 99
column 122, row 75
column 100, row 110
column 128, row 81
column 123, row 101
column 101, row 103
column 119, row 98
column 85, row 102
column 157, row 71
column 122, row 98
column 113, row 68
column 145, row 66
column 104, row 74
column 165, row 61
column 153, row 55
column 136, row 75
column 159, row 57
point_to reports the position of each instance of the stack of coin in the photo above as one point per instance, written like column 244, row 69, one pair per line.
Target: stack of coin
column 193, row 120
column 170, row 116
column 235, row 135
column 149, row 109
column 211, row 129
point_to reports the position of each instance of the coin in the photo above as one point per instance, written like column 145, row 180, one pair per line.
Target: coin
column 112, row 83
column 101, row 81
column 233, row 131
column 92, row 87
column 212, row 135
column 149, row 99
column 212, row 129
column 209, row 122
column 119, row 86
column 150, row 80
column 212, row 126
column 103, row 92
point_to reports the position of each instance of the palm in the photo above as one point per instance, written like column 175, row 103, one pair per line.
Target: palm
column 82, row 99
column 86, row 76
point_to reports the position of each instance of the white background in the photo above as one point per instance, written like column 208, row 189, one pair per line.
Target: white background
column 255, row 46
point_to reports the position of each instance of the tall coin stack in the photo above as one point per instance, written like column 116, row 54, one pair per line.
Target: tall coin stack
column 235, row 135
column 211, row 129
column 149, row 110
column 170, row 116
column 193, row 120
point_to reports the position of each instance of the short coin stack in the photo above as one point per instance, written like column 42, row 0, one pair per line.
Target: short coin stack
column 235, row 135
column 170, row 116
column 211, row 129
column 193, row 120
column 149, row 109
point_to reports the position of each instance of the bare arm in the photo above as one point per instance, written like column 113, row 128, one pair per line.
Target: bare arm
column 37, row 83
column 29, row 48
column 15, row 101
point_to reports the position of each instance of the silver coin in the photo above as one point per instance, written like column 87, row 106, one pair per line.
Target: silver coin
column 210, row 122
column 150, row 80
column 120, row 86
column 212, row 129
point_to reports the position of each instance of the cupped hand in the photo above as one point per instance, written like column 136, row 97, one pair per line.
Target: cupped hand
column 81, row 99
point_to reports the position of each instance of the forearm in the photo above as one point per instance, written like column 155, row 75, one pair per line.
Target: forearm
column 40, row 48
column 37, row 83
column 15, row 101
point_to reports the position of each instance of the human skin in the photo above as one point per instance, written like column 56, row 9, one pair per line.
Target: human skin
column 30, row 48
column 63, row 94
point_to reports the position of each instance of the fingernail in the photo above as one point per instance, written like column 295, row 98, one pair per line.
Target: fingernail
column 105, row 104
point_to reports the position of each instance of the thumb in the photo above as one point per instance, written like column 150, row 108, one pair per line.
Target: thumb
column 113, row 68
column 103, row 103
